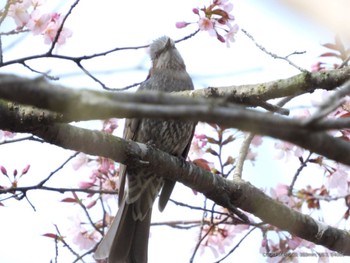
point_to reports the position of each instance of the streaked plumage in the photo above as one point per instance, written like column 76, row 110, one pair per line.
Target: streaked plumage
column 127, row 239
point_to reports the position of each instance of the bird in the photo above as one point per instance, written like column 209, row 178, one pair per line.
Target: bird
column 126, row 241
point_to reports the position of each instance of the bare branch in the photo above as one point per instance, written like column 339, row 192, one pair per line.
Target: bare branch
column 286, row 58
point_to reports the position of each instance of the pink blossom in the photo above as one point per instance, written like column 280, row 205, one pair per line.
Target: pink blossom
column 294, row 243
column 110, row 125
column 91, row 204
column 181, row 24
column 280, row 190
column 3, row 170
column 195, row 11
column 339, row 180
column 281, row 193
column 251, row 155
column 18, row 11
column 52, row 30
column 257, row 140
column 111, row 184
column 220, row 237
column 85, row 185
column 230, row 35
column 38, row 22
column 25, row 169
column 286, row 150
column 206, row 24
column 6, row 135
column 197, row 146
column 82, row 237
column 80, row 160
column 318, row 66
column 225, row 5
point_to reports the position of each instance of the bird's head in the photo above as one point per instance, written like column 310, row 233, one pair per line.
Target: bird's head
column 164, row 54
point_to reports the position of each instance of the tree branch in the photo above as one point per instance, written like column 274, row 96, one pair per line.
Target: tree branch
column 86, row 104
column 223, row 192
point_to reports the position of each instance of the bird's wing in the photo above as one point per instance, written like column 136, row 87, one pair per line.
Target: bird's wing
column 169, row 184
column 130, row 129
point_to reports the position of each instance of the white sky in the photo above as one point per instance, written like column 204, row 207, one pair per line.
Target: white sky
column 101, row 25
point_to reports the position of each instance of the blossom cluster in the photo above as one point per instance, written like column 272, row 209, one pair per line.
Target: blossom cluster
column 28, row 17
column 216, row 17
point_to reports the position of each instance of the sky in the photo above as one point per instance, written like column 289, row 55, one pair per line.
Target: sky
column 108, row 24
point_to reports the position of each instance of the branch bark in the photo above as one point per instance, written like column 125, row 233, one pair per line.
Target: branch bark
column 222, row 191
column 79, row 105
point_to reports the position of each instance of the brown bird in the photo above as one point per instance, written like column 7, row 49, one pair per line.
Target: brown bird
column 127, row 239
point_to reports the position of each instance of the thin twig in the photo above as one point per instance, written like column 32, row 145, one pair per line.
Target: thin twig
column 54, row 42
column 57, row 169
column 46, row 75
column 236, row 246
column 89, row 217
column 286, row 58
column 29, row 138
column 205, row 235
column 297, row 173
column 65, row 243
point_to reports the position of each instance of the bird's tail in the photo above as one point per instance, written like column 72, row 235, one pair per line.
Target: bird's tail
column 127, row 239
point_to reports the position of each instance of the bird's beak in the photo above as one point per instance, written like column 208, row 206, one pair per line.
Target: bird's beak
column 169, row 44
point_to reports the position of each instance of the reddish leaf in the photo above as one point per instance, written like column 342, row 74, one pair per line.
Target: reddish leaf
column 345, row 115
column 202, row 163
column 330, row 54
column 69, row 200
column 221, row 13
column 51, row 235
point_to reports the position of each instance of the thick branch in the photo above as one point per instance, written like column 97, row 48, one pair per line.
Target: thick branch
column 298, row 84
column 57, row 98
column 86, row 104
column 224, row 192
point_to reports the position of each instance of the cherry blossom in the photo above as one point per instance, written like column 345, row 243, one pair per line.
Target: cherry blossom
column 220, row 237
column 214, row 18
column 338, row 180
column 286, row 150
column 197, row 146
column 53, row 29
column 27, row 16
column 38, row 22
column 83, row 238
column 19, row 12
column 181, row 24
column 4, row 135
column 206, row 24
